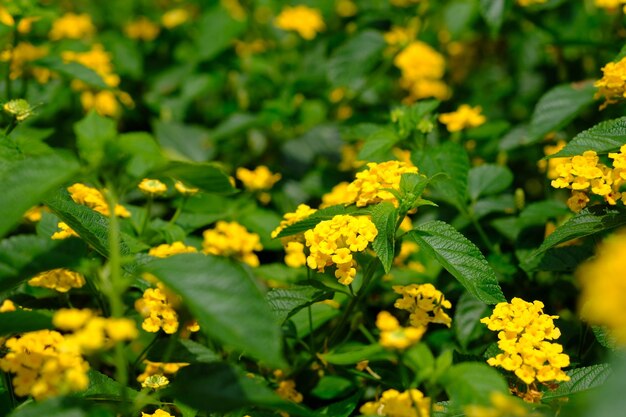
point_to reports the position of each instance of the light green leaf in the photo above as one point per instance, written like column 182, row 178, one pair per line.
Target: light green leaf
column 604, row 337
column 284, row 302
column 355, row 354
column 182, row 142
column 29, row 181
column 355, row 58
column 385, row 217
column 558, row 107
column 378, row 144
column 223, row 298
column 73, row 71
column 140, row 152
column 216, row 31
column 459, row 257
column 92, row 134
column 581, row 379
column 488, row 179
column 494, row 12
column 602, row 138
column 472, row 383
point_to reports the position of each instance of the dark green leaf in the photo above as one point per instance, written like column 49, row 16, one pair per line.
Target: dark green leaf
column 21, row 321
column 461, row 258
column 140, row 152
column 284, row 302
column 342, row 408
column 101, row 387
column 355, row 354
column 452, row 160
column 385, row 217
column 93, row 132
column 602, row 138
column 29, row 181
column 604, row 337
column 488, row 179
column 223, row 298
column 378, row 144
column 332, row 386
column 473, row 383
column 581, row 379
column 467, row 318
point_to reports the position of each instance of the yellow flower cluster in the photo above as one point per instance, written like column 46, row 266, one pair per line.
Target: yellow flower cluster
column 422, row 70
column 400, row 36
column 294, row 244
column 332, row 242
column 523, row 333
column 526, row 3
column 152, row 187
column 394, row 336
column 59, row 279
column 612, row 85
column 232, row 239
column 157, row 307
column 502, row 405
column 20, row 58
column 142, row 29
column 370, row 184
column 261, row 178
column 424, row 303
column 464, row 117
column 610, row 5
column 603, row 295
column 160, row 368
column 165, row 250
column 393, row 403
column 338, row 195
column 90, row 332
column 174, row 17
column 93, row 198
column 308, row 22
column 584, row 174
column 157, row 413
column 25, row 23
column 45, row 365
column 72, row 26
column 287, row 391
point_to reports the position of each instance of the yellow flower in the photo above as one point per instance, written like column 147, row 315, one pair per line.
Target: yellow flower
column 287, row 391
column 184, row 190
column 165, row 250
column 393, row 403
column 463, row 118
column 157, row 413
column 94, row 199
column 34, row 214
column 160, row 368
column 502, row 405
column 550, row 165
column 21, row 56
column 370, row 185
column 346, row 8
column 60, row 279
column 64, row 233
column 232, row 239
column 526, row 3
column 612, row 85
column 152, row 187
column 424, row 302
column 156, row 306
column 142, row 29
column 261, row 178
column 155, row 382
column 302, row 212
column 96, row 59
column 7, row 306
column 523, row 330
column 400, row 36
column 422, row 69
column 72, row 26
column 103, row 102
column 394, row 336
column 308, row 22
column 174, row 17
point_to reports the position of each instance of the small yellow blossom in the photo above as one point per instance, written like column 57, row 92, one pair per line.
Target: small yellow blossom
column 287, row 391
column 185, row 190
column 165, row 250
column 96, row 59
column 142, row 29
column 523, row 333
column 155, row 382
column 261, row 178
column 464, row 117
column 370, row 185
column 157, row 413
column 393, row 403
column 400, row 36
column 160, row 368
column 346, row 8
column 550, row 166
column 232, row 239
column 425, row 303
column 34, row 214
column 7, row 306
column 103, row 102
column 308, row 22
column 174, row 17
column 72, row 26
column 612, row 85
column 152, row 187
column 156, row 305
column 65, row 232
column 60, row 279
column 294, row 244
column 94, row 199
column 302, row 212
column 394, row 336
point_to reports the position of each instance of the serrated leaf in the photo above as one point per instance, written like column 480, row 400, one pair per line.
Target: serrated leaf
column 223, row 298
column 604, row 337
column 320, row 215
column 21, row 321
column 587, row 222
column 452, row 160
column 581, row 379
column 385, row 217
column 28, row 182
column 558, row 107
column 284, row 302
column 472, row 383
column 602, row 138
column 459, row 257
column 206, row 176
column 494, row 12
column 355, row 58
column 92, row 134
column 488, row 179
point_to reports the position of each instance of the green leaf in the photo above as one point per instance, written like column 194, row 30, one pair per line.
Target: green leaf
column 223, row 298
column 20, row 321
column 494, row 12
column 488, row 179
column 452, row 160
column 140, row 152
column 93, row 132
column 216, row 31
column 320, row 215
column 602, row 138
column 206, row 176
column 61, row 407
column 285, row 302
column 332, row 386
column 101, row 387
column 604, row 337
column 385, row 217
column 262, row 222
column 467, row 318
column 581, row 379
column 378, row 144
column 184, row 350
column 355, row 58
column 587, row 222
column 355, row 354
column 472, row 383
column 558, row 107
column 342, row 408
column 73, row 71
column 459, row 257
column 421, row 360
column 28, row 182
column 181, row 142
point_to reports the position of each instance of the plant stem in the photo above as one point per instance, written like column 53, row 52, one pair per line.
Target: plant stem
column 146, row 219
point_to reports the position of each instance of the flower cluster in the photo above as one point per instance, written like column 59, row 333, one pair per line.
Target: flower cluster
column 142, row 29
column 603, row 296
column 176, row 248
column 152, row 187
column 232, row 239
column 370, row 185
column 337, row 195
column 394, row 336
column 157, row 306
column 464, row 117
column 523, row 333
column 59, row 279
column 261, row 178
column 294, row 244
column 72, row 26
column 91, row 332
column 160, row 368
column 45, row 364
column 157, row 413
column 332, row 242
column 549, row 166
column 422, row 71
column 308, row 22
column 584, row 174
column 424, row 303
column 393, row 403
column 610, row 5
column 21, row 57
column 93, row 198
column 612, row 85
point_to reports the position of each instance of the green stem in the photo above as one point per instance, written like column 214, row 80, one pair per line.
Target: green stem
column 179, row 210
column 311, row 336
column 146, row 219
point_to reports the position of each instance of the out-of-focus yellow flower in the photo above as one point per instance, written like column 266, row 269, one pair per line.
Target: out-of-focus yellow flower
column 232, row 239
column 165, row 250
column 19, row 108
column 394, row 336
column 60, row 279
column 400, row 36
column 185, row 190
column 25, row 24
column 157, row 413
column 94, row 199
column 142, row 29
column 152, row 187
column 34, row 214
column 72, row 26
column 338, row 195
column 464, row 117
column 392, row 403
column 174, row 17
column 526, row 3
column 65, row 232
column 287, row 391
column 308, row 22
column 96, row 59
column 425, row 303
column 160, row 368
column 234, row 9
column 103, row 102
column 422, row 69
column 550, row 165
column 20, row 58
column 346, row 8
column 261, row 178
column 7, row 306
